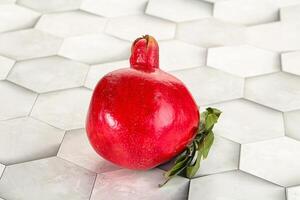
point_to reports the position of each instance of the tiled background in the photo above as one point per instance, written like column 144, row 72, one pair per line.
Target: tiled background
column 237, row 55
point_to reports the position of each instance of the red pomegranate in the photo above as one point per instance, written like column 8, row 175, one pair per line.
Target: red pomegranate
column 140, row 117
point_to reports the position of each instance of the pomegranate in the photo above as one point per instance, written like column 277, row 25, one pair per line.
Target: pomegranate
column 140, row 117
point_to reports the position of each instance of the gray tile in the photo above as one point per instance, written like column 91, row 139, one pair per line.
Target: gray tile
column 277, row 36
column 95, row 48
column 16, row 102
column 7, row 1
column 279, row 91
column 293, row 193
column 46, row 6
column 179, row 10
column 50, row 178
column 114, row 8
column 176, row 55
column 209, row 86
column 223, row 156
column 48, row 74
column 68, row 24
column 14, row 17
column 64, row 109
column 77, row 149
column 134, row 185
column 292, row 120
column 29, row 43
column 273, row 160
column 239, row 60
column 211, row 32
column 290, row 62
column 1, row 169
column 25, row 139
column 244, row 122
column 132, row 27
column 247, row 12
column 96, row 72
column 6, row 65
column 283, row 3
column 234, row 185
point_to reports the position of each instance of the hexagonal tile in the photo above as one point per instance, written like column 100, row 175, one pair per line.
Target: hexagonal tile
column 243, row 121
column 223, row 156
column 175, row 55
column 64, row 109
column 48, row 74
column 290, row 13
column 211, row 32
column 98, row 71
column 1, row 170
column 292, row 120
column 71, row 24
column 77, row 149
column 290, row 62
column 179, row 10
column 277, row 36
column 293, row 193
column 234, row 185
column 14, row 17
column 16, row 102
column 124, row 184
column 30, row 43
column 246, row 12
column 46, row 6
column 131, row 27
column 209, row 86
column 279, row 91
column 51, row 178
column 25, row 139
column 95, row 48
column 114, row 8
column 273, row 160
column 6, row 64
column 243, row 60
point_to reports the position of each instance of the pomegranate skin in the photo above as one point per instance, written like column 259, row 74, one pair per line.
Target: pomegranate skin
column 141, row 117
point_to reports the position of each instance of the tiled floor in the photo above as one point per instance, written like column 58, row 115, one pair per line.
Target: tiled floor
column 242, row 56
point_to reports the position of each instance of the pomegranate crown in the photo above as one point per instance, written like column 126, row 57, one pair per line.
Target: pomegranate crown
column 144, row 54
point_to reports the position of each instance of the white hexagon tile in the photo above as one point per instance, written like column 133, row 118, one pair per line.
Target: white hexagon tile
column 242, row 57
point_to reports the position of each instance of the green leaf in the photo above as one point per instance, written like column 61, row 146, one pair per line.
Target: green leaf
column 207, row 143
column 191, row 170
column 210, row 120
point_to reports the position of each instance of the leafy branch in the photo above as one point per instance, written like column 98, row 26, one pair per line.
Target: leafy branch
column 188, row 162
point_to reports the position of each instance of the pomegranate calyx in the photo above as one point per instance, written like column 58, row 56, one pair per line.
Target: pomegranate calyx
column 145, row 54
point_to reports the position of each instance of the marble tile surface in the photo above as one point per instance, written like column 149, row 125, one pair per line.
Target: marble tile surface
column 63, row 109
column 123, row 184
column 241, row 56
column 6, row 65
column 234, row 185
column 237, row 117
column 279, row 91
column 94, row 48
column 16, row 101
column 243, row 60
column 49, row 74
column 13, row 17
column 179, row 10
column 25, row 139
column 76, row 149
column 51, row 178
column 28, row 43
column 292, row 128
column 208, row 85
column 67, row 24
column 128, row 28
column 247, row 12
column 290, row 62
column 276, row 158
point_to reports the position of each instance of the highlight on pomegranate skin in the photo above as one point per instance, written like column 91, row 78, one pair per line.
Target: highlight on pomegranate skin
column 141, row 117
